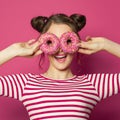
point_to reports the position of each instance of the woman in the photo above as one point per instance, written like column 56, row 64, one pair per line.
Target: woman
column 58, row 94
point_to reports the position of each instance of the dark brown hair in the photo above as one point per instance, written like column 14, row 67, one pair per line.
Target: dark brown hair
column 76, row 22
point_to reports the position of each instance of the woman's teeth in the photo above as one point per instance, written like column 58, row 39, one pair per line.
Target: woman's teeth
column 60, row 58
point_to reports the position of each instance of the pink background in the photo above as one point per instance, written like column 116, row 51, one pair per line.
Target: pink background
column 102, row 20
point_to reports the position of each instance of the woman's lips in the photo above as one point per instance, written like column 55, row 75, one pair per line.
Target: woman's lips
column 60, row 58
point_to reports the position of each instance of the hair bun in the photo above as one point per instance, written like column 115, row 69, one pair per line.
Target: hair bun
column 38, row 23
column 80, row 21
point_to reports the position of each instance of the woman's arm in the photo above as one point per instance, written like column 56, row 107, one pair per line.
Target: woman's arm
column 96, row 44
column 106, row 85
column 7, row 54
column 112, row 47
column 24, row 49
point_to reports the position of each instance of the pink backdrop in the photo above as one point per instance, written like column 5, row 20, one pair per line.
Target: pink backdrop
column 102, row 20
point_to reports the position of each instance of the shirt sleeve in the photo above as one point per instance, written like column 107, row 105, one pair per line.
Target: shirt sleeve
column 105, row 84
column 13, row 85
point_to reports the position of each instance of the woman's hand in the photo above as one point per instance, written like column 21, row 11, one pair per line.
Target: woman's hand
column 27, row 49
column 92, row 45
column 23, row 49
column 96, row 44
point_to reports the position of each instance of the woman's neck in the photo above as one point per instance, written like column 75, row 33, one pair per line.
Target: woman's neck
column 58, row 74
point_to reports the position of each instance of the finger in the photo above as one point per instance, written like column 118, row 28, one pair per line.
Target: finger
column 80, row 43
column 85, row 45
column 35, row 53
column 36, row 45
column 85, row 51
column 38, row 53
column 31, row 41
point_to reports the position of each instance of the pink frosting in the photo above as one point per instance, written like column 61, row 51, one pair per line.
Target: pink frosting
column 69, row 42
column 51, row 43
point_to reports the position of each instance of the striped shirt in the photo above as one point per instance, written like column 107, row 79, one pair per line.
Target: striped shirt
column 48, row 99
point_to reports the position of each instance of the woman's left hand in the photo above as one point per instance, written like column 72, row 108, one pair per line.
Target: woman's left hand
column 92, row 45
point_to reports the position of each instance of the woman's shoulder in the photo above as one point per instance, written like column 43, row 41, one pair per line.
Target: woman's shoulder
column 99, row 75
column 18, row 76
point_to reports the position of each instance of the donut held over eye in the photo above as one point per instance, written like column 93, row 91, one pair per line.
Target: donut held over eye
column 50, row 43
column 69, row 42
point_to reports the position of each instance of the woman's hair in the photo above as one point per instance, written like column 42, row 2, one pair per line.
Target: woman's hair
column 76, row 22
column 41, row 23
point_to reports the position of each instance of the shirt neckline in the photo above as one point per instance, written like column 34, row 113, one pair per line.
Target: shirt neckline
column 71, row 78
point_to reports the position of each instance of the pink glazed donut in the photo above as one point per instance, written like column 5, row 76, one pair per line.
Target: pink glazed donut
column 50, row 43
column 69, row 42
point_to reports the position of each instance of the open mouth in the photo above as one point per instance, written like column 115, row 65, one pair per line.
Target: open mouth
column 60, row 58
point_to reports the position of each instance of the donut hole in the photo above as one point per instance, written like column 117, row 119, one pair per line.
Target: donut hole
column 49, row 42
column 69, row 42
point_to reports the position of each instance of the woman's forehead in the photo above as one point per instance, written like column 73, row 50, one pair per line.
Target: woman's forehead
column 59, row 29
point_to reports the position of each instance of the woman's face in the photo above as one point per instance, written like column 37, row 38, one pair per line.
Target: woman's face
column 60, row 60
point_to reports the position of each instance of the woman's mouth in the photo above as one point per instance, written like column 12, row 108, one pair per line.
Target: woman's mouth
column 60, row 58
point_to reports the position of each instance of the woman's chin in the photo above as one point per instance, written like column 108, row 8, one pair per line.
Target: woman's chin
column 61, row 64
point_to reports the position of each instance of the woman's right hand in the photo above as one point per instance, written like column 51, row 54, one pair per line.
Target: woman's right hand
column 27, row 49
column 23, row 49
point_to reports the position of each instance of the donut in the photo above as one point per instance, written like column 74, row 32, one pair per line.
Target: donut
column 69, row 42
column 50, row 43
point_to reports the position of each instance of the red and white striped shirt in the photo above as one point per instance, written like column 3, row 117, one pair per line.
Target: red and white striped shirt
column 48, row 99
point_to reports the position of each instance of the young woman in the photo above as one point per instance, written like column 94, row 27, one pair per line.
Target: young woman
column 58, row 94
